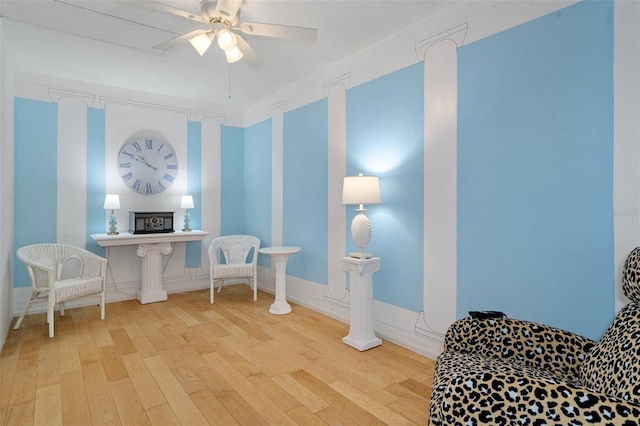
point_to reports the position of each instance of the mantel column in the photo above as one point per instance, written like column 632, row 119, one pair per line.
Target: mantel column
column 361, row 335
column 151, row 289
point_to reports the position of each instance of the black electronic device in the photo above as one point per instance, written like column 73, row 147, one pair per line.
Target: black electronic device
column 486, row 314
column 150, row 222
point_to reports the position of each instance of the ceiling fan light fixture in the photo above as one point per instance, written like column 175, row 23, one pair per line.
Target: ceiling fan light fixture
column 202, row 42
column 227, row 40
column 233, row 55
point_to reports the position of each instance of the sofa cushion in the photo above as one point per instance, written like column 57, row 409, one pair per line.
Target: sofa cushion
column 471, row 389
column 612, row 366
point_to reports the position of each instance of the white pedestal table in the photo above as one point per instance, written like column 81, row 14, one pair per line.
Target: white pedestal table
column 279, row 256
column 151, row 248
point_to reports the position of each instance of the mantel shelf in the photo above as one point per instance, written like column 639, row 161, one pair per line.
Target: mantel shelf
column 128, row 239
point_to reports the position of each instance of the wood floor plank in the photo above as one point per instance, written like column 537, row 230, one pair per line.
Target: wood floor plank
column 212, row 409
column 303, row 416
column 148, row 390
column 69, row 355
column 122, row 341
column 371, row 405
column 24, row 387
column 20, row 413
column 128, row 404
column 278, row 395
column 182, row 371
column 99, row 397
column 260, row 402
column 112, row 364
column 48, row 410
column 187, row 362
column 240, row 409
column 162, row 415
column 75, row 407
column 334, row 398
column 303, row 394
column 179, row 401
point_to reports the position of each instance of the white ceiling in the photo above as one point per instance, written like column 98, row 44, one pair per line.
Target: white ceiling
column 344, row 28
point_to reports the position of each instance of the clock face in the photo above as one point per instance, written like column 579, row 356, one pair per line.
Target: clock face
column 147, row 165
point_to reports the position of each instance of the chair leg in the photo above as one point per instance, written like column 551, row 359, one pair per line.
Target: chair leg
column 220, row 286
column 51, row 321
column 255, row 288
column 61, row 308
column 211, row 291
column 102, row 300
column 25, row 310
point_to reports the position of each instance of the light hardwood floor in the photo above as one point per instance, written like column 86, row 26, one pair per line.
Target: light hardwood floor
column 187, row 362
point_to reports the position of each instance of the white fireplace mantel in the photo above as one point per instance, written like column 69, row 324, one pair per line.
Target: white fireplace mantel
column 151, row 248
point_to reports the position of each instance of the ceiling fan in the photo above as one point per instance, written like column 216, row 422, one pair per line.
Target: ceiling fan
column 223, row 19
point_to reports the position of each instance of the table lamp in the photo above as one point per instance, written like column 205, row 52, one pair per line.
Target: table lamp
column 186, row 203
column 112, row 202
column 361, row 190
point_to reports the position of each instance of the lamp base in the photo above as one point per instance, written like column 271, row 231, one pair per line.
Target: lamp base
column 186, row 229
column 360, row 255
column 113, row 233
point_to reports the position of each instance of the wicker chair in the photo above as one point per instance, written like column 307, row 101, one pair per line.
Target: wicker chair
column 62, row 272
column 233, row 257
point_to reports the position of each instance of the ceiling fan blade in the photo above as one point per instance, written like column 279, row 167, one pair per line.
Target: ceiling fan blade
column 169, row 9
column 250, row 55
column 169, row 44
column 278, row 31
column 228, row 8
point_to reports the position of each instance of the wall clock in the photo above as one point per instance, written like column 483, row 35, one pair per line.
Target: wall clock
column 147, row 165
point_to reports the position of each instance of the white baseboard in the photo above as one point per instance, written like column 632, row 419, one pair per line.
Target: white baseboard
column 397, row 325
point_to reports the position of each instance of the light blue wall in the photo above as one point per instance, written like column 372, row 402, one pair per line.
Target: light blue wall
column 385, row 137
column 232, row 181
column 96, row 178
column 257, row 184
column 305, row 209
column 535, row 170
column 36, row 185
column 534, row 175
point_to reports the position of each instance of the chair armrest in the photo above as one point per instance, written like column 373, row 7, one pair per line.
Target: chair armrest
column 93, row 265
column 524, row 342
column 42, row 272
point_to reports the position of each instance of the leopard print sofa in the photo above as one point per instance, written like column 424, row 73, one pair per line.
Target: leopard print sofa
column 504, row 371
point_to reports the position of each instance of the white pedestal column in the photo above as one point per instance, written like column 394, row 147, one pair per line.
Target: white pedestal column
column 361, row 335
column 280, row 305
column 151, row 289
column 279, row 256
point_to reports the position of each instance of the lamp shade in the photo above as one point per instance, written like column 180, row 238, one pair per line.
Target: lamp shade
column 111, row 202
column 202, row 42
column 233, row 55
column 186, row 202
column 226, row 39
column 361, row 190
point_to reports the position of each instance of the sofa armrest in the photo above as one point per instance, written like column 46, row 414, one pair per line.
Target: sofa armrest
column 472, row 389
column 524, row 342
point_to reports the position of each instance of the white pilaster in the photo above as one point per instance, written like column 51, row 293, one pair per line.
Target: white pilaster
column 277, row 152
column 440, row 182
column 72, row 169
column 336, row 289
column 210, row 182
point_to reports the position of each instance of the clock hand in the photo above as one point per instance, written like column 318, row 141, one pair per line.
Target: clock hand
column 144, row 161
column 147, row 163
